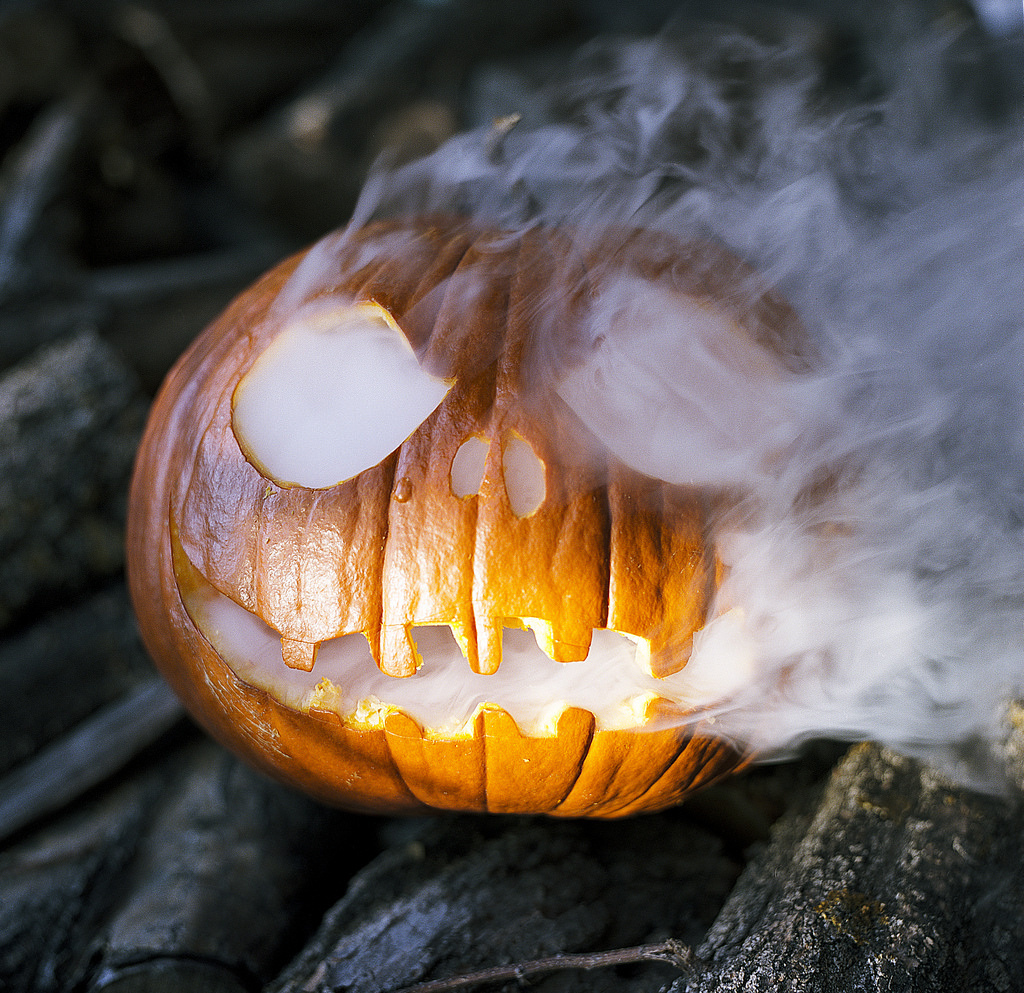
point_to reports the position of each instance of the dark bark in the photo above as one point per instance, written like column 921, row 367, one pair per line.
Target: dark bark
column 40, row 167
column 231, row 871
column 57, row 887
column 70, row 418
column 896, row 881
column 461, row 894
column 195, row 874
column 83, row 656
column 101, row 746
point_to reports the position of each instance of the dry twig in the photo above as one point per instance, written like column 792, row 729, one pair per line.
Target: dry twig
column 671, row 951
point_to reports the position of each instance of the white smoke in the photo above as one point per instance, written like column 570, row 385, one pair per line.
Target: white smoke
column 889, row 210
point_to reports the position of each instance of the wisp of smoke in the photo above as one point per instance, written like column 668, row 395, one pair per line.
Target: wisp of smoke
column 877, row 562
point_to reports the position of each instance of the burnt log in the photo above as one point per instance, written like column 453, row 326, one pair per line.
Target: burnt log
column 57, row 886
column 461, row 894
column 231, row 872
column 101, row 746
column 195, row 873
column 898, row 880
column 62, row 669
column 70, row 420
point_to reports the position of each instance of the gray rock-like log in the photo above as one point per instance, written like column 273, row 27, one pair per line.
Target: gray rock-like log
column 63, row 668
column 101, row 746
column 463, row 894
column 194, row 874
column 70, row 420
column 897, row 881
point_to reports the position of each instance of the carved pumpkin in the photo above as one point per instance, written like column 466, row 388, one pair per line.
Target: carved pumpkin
column 406, row 625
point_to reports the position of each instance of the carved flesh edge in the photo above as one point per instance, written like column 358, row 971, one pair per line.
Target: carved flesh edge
column 444, row 695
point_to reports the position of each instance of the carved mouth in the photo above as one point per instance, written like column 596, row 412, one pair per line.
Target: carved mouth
column 444, row 695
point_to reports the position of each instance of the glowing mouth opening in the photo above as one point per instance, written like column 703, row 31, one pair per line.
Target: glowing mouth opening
column 445, row 694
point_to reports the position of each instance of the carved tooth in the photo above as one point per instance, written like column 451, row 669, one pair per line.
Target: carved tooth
column 488, row 641
column 569, row 643
column 398, row 654
column 465, row 638
column 299, row 654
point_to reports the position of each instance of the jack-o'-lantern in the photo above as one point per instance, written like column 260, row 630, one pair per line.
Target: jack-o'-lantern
column 378, row 555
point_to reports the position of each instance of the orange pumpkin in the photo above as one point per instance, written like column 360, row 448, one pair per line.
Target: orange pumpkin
column 359, row 628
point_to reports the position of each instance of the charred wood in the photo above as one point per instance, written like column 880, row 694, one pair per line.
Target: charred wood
column 898, row 880
column 70, row 419
column 229, row 873
column 459, row 894
column 57, row 887
column 102, row 745
column 391, row 91
column 193, row 874
column 40, row 165
column 82, row 657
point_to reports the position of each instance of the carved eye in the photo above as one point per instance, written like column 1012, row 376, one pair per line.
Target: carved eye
column 335, row 393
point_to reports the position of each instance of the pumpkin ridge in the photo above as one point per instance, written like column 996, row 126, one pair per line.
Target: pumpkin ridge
column 376, row 643
column 621, row 809
column 450, row 254
column 494, row 433
column 584, row 752
column 701, row 756
column 606, row 496
column 190, row 496
column 685, row 744
column 474, row 243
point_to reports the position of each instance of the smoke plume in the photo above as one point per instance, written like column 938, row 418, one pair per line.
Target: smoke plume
column 875, row 180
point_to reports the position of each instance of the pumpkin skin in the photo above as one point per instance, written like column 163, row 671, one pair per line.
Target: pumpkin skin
column 608, row 548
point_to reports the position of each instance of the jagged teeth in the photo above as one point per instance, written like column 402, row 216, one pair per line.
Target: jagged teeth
column 528, row 685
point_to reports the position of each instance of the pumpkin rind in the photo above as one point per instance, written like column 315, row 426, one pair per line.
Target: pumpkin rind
column 395, row 548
